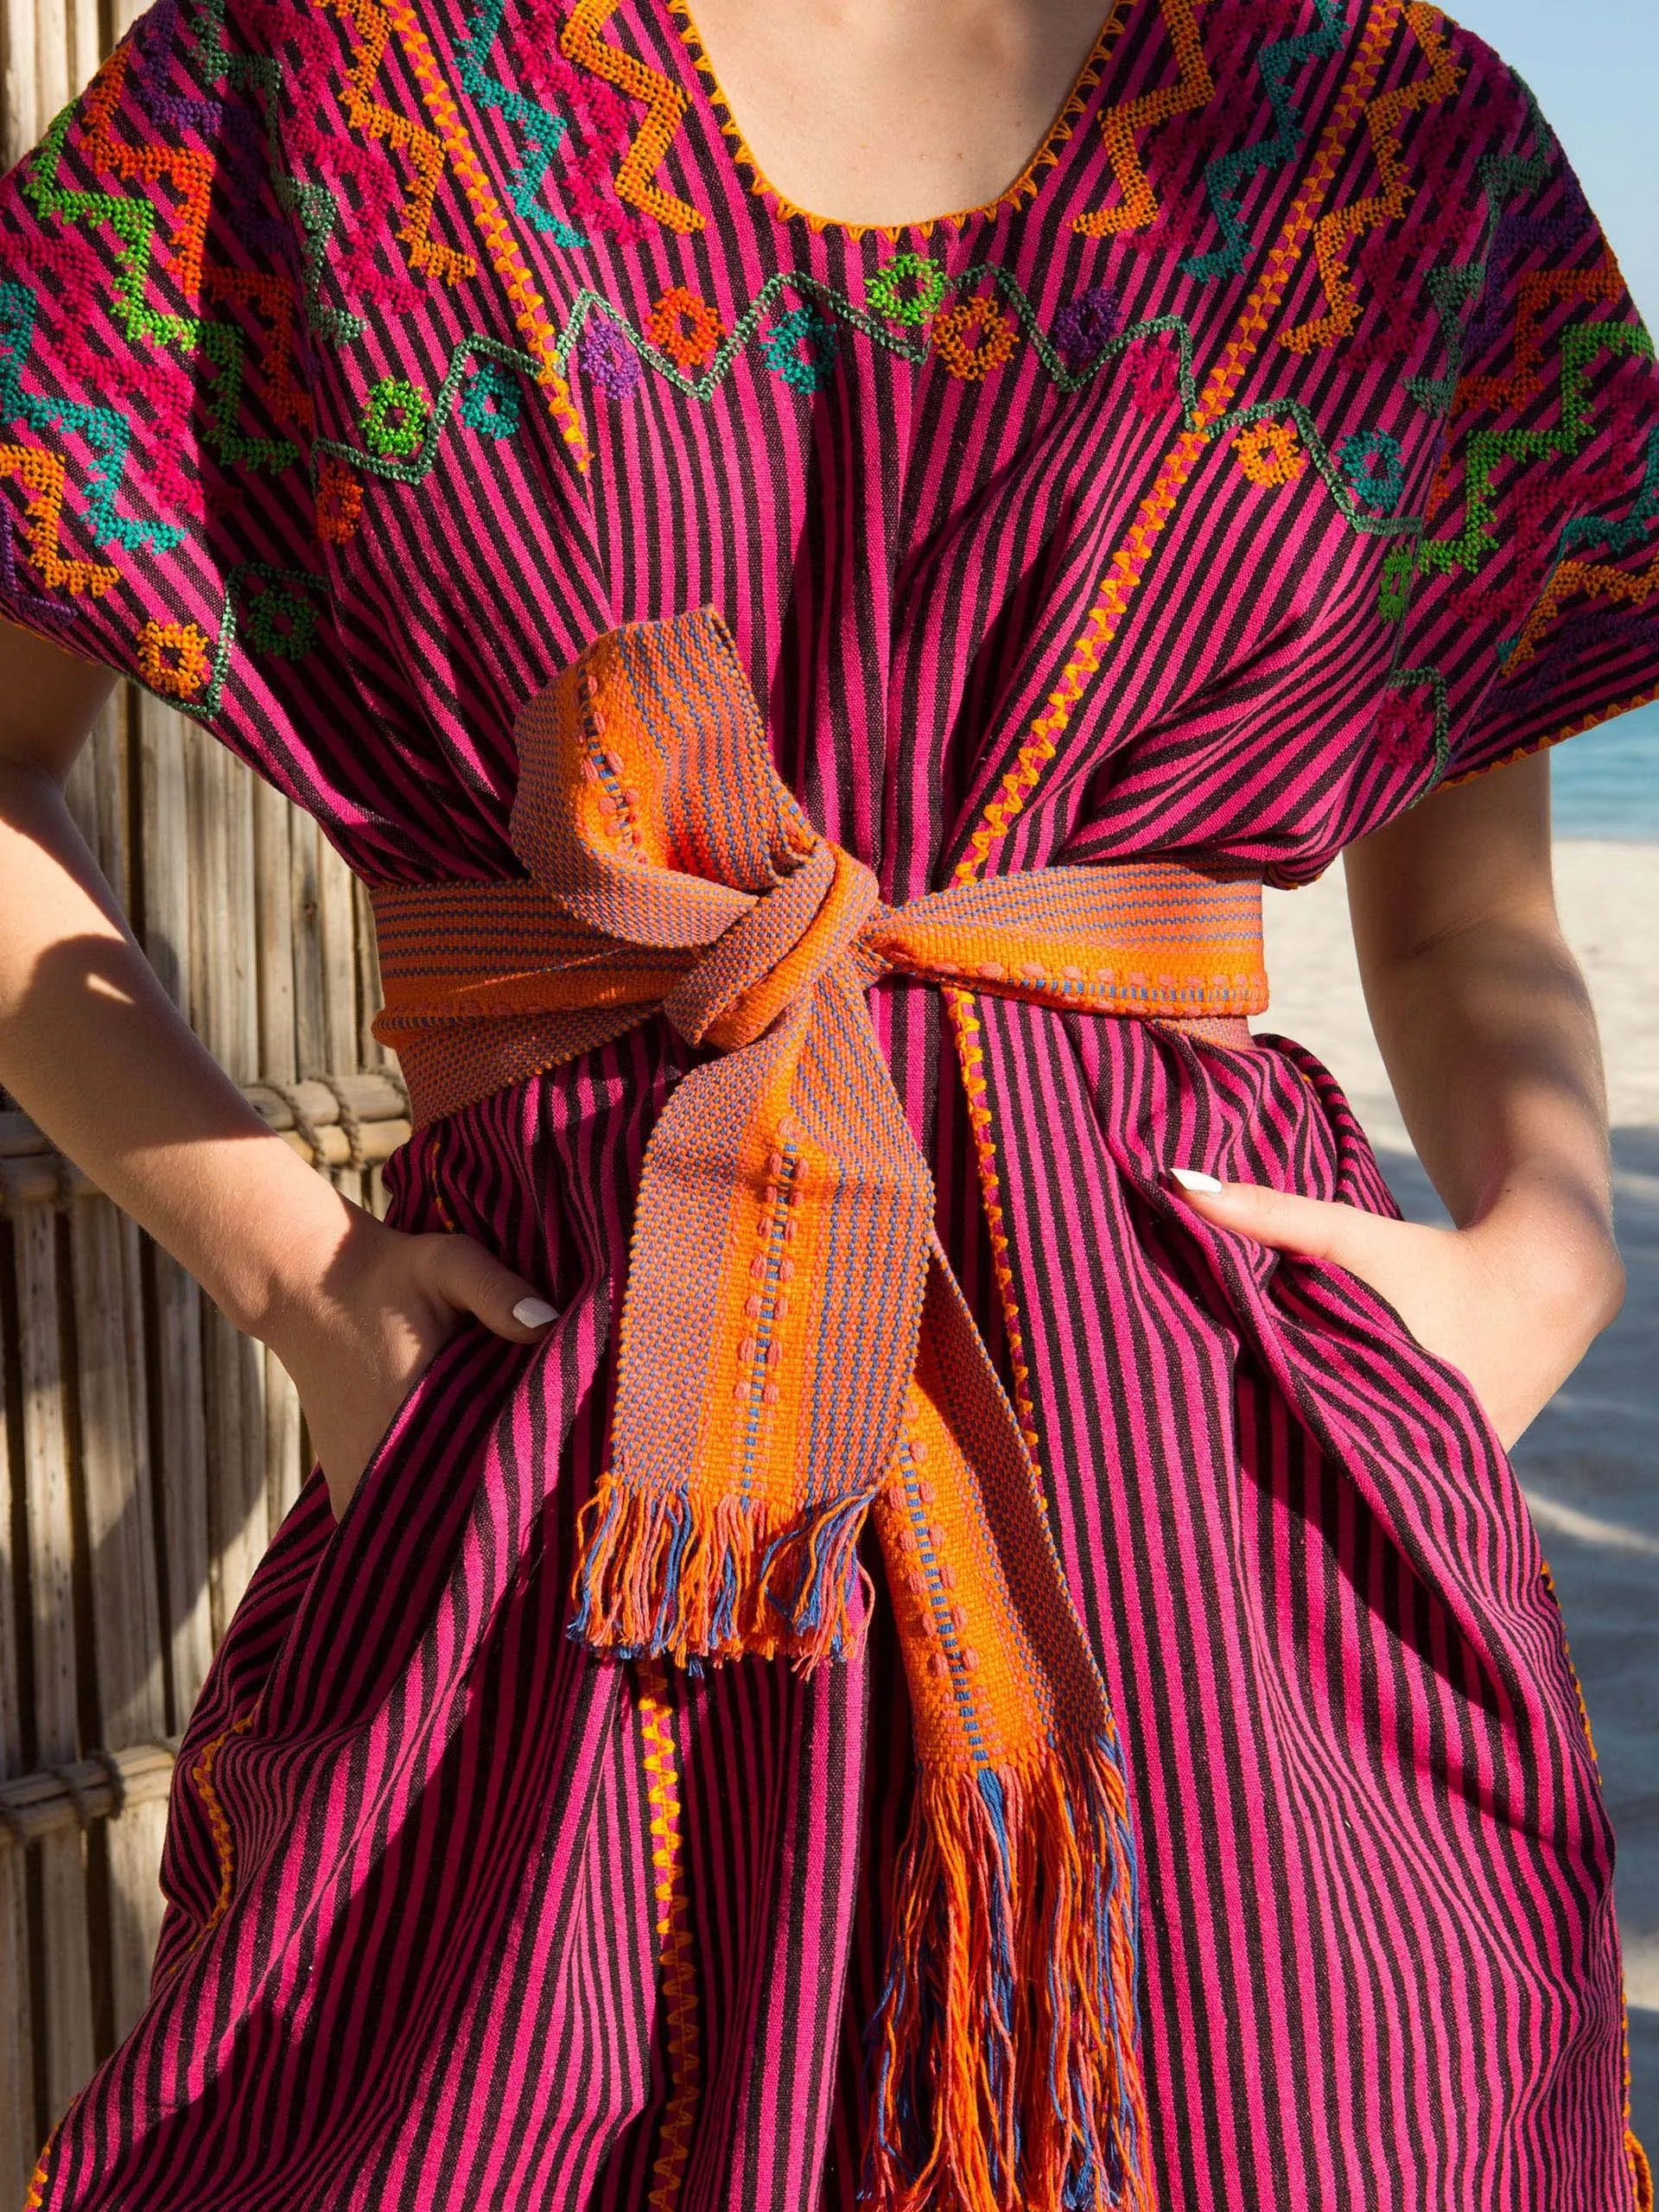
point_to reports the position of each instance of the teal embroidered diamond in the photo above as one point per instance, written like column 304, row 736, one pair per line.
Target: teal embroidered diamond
column 803, row 326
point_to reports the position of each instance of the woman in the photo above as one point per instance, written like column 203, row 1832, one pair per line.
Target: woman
column 1179, row 1794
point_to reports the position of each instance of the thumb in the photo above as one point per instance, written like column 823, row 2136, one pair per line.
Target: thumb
column 1317, row 1229
column 471, row 1280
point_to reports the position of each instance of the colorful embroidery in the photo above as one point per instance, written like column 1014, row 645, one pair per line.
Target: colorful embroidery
column 1336, row 232
column 611, row 360
column 1195, row 88
column 1268, row 453
column 803, row 348
column 1375, row 467
column 394, row 419
column 685, row 327
column 339, row 502
column 1086, row 325
column 279, row 621
column 887, row 291
column 40, row 474
column 504, row 256
column 545, row 131
column 173, row 659
column 664, row 103
column 974, row 338
column 1130, row 563
column 1228, row 173
column 490, row 402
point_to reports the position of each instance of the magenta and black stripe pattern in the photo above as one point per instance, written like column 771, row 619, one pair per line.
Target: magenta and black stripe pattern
column 1283, row 443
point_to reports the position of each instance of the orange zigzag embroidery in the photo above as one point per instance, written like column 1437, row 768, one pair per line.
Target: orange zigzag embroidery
column 41, row 475
column 424, row 148
column 505, row 256
column 1130, row 563
column 1537, row 293
column 580, row 41
column 1592, row 580
column 188, row 169
column 673, row 1936
column 1195, row 88
column 1339, row 232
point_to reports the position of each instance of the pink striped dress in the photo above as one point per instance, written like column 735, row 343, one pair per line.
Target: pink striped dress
column 1282, row 443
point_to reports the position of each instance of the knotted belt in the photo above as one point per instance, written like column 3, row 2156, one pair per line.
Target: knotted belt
column 795, row 1354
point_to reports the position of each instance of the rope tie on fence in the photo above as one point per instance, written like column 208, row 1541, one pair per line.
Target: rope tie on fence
column 86, row 1814
column 304, row 1127
column 110, row 1768
column 350, row 1121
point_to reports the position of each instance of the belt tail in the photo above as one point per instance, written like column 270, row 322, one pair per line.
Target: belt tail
column 696, row 1577
column 1006, row 2066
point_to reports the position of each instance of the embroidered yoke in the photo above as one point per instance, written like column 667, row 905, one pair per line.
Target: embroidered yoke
column 1280, row 445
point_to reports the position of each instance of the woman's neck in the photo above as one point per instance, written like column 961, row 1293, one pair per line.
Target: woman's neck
column 892, row 110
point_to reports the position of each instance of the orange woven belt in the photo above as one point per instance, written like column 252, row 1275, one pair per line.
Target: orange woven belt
column 795, row 1355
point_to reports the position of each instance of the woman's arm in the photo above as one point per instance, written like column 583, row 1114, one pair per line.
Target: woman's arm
column 1490, row 1041
column 94, row 1049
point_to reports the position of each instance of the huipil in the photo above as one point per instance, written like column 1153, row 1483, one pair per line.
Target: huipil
column 1282, row 444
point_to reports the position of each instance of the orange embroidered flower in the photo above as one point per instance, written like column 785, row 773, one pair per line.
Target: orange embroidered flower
column 339, row 502
column 685, row 327
column 974, row 338
column 1270, row 453
column 181, row 677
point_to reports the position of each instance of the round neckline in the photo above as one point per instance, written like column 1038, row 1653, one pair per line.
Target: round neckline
column 1024, row 187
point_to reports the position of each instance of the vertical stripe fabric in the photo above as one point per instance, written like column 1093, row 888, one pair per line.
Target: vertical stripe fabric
column 1282, row 444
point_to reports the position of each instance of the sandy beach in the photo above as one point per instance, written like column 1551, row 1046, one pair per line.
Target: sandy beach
column 1589, row 1464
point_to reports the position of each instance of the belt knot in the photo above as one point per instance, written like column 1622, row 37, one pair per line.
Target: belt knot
column 795, row 1360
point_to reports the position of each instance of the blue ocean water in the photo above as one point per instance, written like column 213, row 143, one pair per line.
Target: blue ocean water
column 1607, row 782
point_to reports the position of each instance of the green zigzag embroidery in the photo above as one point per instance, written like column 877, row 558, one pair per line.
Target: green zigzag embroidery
column 314, row 204
column 410, row 470
column 1477, row 541
column 1338, row 478
column 1454, row 291
column 1228, row 171
column 133, row 221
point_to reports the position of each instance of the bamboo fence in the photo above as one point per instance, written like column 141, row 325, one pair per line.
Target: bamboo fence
column 147, row 1450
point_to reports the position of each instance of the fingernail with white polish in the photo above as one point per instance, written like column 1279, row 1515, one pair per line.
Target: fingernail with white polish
column 534, row 1313
column 1194, row 1178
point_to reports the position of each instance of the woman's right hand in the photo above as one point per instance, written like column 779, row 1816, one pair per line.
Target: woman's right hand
column 355, row 1327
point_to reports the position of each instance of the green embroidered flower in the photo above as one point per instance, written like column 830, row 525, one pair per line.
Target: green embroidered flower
column 489, row 403
column 282, row 622
column 394, row 422
column 888, row 296
column 804, row 326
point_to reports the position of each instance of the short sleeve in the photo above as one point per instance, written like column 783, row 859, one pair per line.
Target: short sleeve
column 157, row 508
column 1534, row 611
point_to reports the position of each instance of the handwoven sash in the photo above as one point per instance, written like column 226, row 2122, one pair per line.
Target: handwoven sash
column 795, row 1354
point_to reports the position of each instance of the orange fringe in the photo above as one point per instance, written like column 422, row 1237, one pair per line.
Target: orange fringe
column 1007, row 2078
column 689, row 1581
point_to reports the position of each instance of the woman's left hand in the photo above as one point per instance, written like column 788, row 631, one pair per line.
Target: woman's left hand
column 1511, row 1302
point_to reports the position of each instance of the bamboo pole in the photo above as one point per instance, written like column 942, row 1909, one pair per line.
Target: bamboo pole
column 33, row 1173
column 125, row 1659
column 224, row 1015
column 69, row 2033
column 274, row 823
column 19, row 2130
column 57, row 1801
column 174, row 1314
